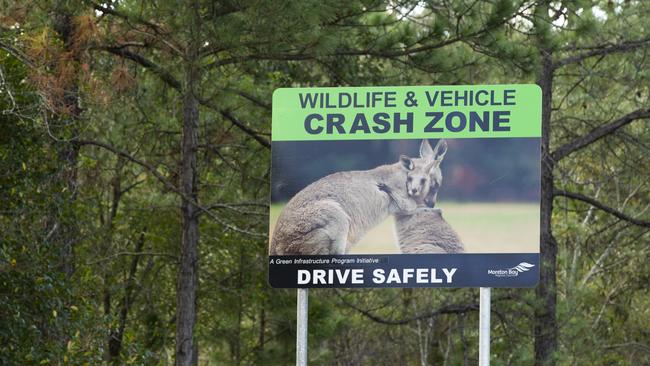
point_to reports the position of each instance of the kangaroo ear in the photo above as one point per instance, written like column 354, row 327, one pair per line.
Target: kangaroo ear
column 406, row 162
column 440, row 150
column 431, row 166
column 426, row 152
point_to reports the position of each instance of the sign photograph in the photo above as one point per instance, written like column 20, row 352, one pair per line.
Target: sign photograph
column 424, row 186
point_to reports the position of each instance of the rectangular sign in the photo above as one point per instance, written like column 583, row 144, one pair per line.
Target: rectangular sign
column 423, row 186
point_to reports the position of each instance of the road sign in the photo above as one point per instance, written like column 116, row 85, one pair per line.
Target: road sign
column 423, row 186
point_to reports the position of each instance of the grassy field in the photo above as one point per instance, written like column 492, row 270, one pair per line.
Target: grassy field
column 483, row 227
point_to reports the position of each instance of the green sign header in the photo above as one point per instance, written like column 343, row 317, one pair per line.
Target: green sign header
column 407, row 112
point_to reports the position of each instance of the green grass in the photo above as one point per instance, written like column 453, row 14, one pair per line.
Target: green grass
column 483, row 227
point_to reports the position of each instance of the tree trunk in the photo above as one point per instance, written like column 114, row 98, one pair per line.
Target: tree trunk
column 62, row 225
column 116, row 336
column 186, row 350
column 545, row 321
column 187, row 274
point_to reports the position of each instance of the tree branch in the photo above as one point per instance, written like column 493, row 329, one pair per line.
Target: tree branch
column 124, row 16
column 139, row 253
column 168, row 184
column 17, row 54
column 238, row 210
column 133, row 159
column 343, row 53
column 598, row 133
column 165, row 75
column 390, row 53
column 602, row 50
column 264, row 142
column 170, row 80
column 446, row 309
column 601, row 206
column 251, row 98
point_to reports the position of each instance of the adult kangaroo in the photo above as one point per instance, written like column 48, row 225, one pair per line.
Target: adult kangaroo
column 330, row 215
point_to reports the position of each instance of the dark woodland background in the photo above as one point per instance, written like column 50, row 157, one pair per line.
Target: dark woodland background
column 134, row 179
column 478, row 170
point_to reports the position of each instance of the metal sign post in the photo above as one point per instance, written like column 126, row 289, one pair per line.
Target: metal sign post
column 484, row 327
column 301, row 331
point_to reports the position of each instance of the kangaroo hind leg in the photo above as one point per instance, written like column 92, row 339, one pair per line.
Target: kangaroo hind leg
column 332, row 227
column 320, row 227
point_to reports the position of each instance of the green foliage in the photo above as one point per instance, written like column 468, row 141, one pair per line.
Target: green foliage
column 44, row 318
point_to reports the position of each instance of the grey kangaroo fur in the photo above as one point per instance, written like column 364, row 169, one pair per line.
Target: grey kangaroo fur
column 425, row 230
column 330, row 215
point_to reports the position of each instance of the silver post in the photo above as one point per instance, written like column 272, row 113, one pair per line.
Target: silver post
column 301, row 332
column 484, row 327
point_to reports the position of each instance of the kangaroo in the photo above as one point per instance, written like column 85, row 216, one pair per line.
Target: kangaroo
column 424, row 180
column 330, row 215
column 425, row 230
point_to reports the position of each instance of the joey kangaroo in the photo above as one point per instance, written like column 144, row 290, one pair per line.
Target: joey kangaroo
column 425, row 230
column 330, row 215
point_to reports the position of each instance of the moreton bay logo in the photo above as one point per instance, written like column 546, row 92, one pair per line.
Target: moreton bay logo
column 511, row 272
